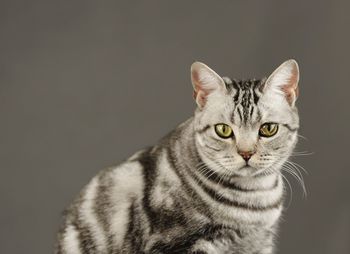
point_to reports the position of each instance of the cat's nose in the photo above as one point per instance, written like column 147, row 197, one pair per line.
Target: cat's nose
column 246, row 154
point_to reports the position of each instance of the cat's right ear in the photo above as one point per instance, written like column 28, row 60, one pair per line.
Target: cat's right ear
column 204, row 81
column 284, row 80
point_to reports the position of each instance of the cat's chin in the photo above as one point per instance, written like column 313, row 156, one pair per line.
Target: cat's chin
column 246, row 171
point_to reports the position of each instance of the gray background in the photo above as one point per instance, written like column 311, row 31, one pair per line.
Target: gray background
column 84, row 84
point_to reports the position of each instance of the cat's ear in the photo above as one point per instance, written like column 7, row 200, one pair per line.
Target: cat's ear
column 204, row 81
column 285, row 80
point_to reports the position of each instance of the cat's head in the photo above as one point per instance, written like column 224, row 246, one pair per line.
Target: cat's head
column 246, row 127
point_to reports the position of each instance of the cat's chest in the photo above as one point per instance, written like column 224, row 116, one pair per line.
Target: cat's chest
column 228, row 241
column 216, row 239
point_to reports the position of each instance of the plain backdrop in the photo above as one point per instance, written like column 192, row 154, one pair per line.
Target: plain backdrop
column 84, row 84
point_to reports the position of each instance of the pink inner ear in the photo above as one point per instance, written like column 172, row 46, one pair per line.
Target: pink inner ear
column 291, row 89
column 200, row 97
column 199, row 93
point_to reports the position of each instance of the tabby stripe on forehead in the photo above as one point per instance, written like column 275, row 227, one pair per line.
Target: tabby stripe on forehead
column 255, row 97
column 237, row 92
column 251, row 111
column 240, row 114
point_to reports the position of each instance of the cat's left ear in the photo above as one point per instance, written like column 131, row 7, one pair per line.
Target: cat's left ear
column 285, row 79
column 204, row 81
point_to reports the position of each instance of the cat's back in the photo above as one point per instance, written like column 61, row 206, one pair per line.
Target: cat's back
column 102, row 209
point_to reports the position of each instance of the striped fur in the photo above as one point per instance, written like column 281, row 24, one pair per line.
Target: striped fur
column 189, row 193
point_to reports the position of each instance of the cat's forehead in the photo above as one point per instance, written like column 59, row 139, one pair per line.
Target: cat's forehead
column 245, row 95
column 249, row 87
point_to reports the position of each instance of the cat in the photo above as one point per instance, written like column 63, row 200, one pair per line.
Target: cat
column 213, row 185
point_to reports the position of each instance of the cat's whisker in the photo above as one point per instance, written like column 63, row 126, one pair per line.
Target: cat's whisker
column 287, row 168
column 302, row 137
column 304, row 153
column 297, row 167
column 295, row 170
column 290, row 188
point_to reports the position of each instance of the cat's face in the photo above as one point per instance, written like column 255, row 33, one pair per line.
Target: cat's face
column 245, row 128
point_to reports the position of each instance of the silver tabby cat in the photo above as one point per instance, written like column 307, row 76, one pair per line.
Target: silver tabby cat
column 213, row 185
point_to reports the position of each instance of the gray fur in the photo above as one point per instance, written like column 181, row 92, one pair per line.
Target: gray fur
column 190, row 193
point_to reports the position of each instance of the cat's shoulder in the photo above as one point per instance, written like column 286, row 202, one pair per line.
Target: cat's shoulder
column 127, row 173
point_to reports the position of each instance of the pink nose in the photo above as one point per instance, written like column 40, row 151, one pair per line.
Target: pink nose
column 246, row 154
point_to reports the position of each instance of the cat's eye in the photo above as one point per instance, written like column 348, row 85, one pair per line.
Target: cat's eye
column 268, row 129
column 223, row 130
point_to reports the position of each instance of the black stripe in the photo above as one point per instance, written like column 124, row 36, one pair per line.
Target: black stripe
column 214, row 195
column 251, row 111
column 218, row 179
column 255, row 97
column 219, row 198
column 60, row 238
column 290, row 128
column 238, row 90
column 199, row 203
column 204, row 129
column 161, row 219
column 212, row 148
column 133, row 236
column 240, row 114
column 85, row 237
column 147, row 160
column 103, row 204
column 86, row 242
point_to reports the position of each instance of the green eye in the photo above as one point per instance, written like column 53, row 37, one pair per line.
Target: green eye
column 223, row 130
column 268, row 130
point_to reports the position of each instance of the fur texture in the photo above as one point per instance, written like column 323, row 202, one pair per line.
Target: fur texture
column 194, row 191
